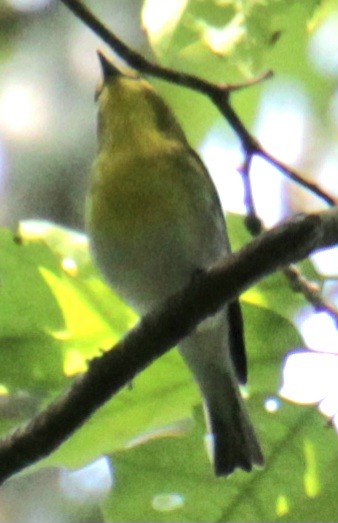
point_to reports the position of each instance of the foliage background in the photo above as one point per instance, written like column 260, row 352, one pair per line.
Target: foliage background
column 141, row 457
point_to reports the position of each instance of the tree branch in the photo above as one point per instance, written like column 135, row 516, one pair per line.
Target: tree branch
column 218, row 94
column 161, row 329
column 311, row 291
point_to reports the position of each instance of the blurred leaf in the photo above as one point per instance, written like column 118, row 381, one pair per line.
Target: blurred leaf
column 209, row 33
column 94, row 319
column 290, row 57
column 55, row 313
column 165, row 392
column 27, row 304
column 273, row 35
column 161, row 395
column 171, row 480
column 160, row 20
column 29, row 314
column 80, row 293
column 238, row 233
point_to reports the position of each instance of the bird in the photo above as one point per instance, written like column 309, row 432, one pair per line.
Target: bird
column 154, row 219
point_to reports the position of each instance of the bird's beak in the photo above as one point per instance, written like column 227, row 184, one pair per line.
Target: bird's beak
column 108, row 69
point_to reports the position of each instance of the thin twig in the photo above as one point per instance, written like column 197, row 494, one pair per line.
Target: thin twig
column 244, row 170
column 310, row 290
column 252, row 221
column 138, row 62
column 218, row 94
column 299, row 283
column 249, row 83
column 293, row 175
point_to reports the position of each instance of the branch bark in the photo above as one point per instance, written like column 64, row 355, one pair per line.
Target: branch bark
column 161, row 329
column 218, row 94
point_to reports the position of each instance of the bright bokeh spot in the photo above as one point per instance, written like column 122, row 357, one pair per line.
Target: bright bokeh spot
column 160, row 18
column 23, row 110
column 167, row 502
column 310, row 377
column 91, row 484
column 318, row 330
column 281, row 128
column 329, row 406
column 334, row 422
column 323, row 48
column 326, row 261
column 32, row 230
column 223, row 160
column 71, row 245
column 69, row 266
column 267, row 181
column 283, row 110
column 224, row 40
column 28, row 5
column 272, row 405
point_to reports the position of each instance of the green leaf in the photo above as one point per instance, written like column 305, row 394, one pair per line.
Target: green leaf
column 165, row 478
column 205, row 35
column 162, row 394
column 165, row 392
column 171, row 479
column 55, row 314
column 27, row 304
column 160, row 20
column 80, row 293
column 29, row 314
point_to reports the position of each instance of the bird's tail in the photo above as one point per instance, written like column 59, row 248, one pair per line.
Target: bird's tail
column 235, row 444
